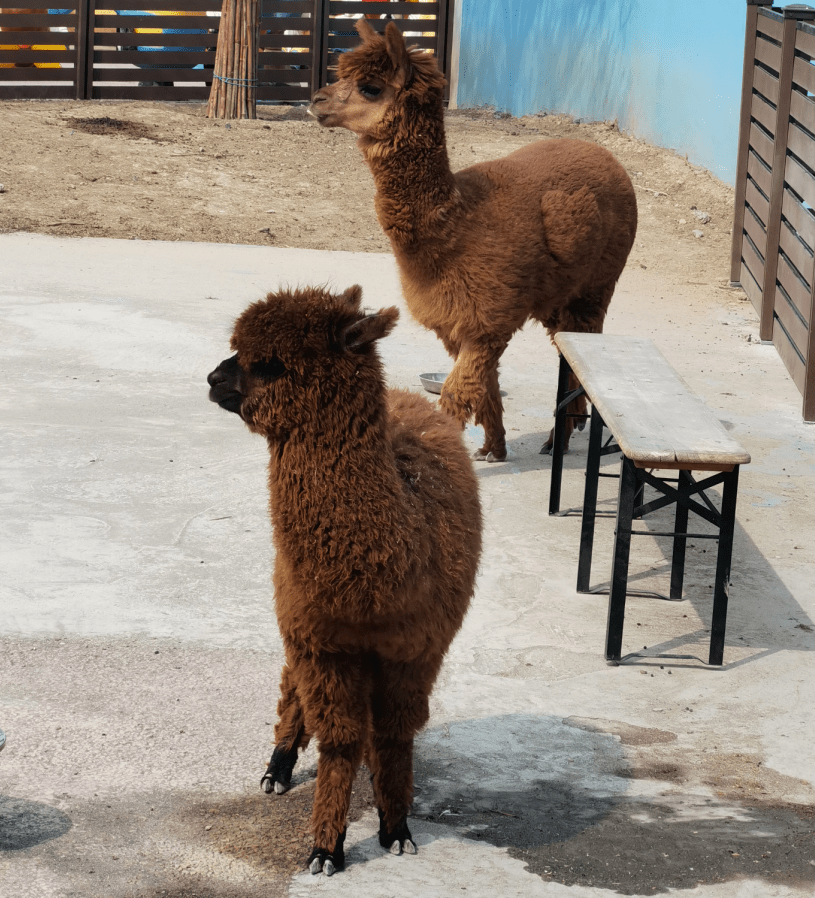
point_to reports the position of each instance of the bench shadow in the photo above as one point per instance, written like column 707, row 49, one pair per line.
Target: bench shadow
column 763, row 616
column 756, row 627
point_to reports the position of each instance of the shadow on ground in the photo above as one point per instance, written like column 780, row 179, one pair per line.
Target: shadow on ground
column 752, row 623
column 24, row 824
column 564, row 800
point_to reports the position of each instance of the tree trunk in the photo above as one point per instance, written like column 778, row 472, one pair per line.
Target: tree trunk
column 234, row 82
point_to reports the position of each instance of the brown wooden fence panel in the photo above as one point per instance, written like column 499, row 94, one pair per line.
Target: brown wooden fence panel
column 801, row 222
column 169, row 54
column 774, row 223
column 46, row 60
column 762, row 62
column 423, row 22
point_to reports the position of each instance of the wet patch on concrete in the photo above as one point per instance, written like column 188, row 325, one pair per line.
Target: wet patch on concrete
column 517, row 778
column 24, row 824
column 572, row 804
column 648, row 847
column 269, row 832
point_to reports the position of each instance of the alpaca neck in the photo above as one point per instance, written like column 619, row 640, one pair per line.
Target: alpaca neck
column 416, row 191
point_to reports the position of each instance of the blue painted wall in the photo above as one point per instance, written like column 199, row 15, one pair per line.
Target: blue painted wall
column 669, row 71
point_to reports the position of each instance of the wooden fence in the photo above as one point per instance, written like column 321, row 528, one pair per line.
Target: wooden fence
column 141, row 53
column 773, row 253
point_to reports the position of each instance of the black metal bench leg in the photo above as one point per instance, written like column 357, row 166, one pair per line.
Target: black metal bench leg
column 721, row 587
column 619, row 565
column 680, row 539
column 560, row 429
column 590, row 502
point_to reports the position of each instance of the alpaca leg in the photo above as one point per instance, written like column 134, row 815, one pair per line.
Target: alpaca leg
column 334, row 689
column 399, row 710
column 584, row 315
column 490, row 414
column 471, row 389
column 577, row 406
column 392, row 778
column 290, row 737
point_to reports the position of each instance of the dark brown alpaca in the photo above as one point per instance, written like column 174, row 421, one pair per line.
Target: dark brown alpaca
column 543, row 233
column 377, row 530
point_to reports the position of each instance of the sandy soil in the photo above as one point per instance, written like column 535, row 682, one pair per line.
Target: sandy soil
column 163, row 171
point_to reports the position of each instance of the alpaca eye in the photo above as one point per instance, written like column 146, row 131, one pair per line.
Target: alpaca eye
column 370, row 91
column 268, row 369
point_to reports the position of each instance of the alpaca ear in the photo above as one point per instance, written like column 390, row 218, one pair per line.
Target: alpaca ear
column 398, row 52
column 364, row 29
column 353, row 296
column 361, row 334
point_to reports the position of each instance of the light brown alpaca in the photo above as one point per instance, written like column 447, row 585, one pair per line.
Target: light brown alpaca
column 377, row 530
column 543, row 233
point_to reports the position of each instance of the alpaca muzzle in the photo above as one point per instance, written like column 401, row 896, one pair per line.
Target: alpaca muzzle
column 225, row 385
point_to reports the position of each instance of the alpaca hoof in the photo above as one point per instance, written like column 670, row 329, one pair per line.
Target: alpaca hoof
column 321, row 860
column 546, row 449
column 408, row 847
column 270, row 784
column 322, row 865
column 398, row 840
column 492, row 457
column 277, row 778
column 480, row 455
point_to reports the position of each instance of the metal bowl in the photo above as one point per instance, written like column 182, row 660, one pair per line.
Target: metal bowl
column 433, row 382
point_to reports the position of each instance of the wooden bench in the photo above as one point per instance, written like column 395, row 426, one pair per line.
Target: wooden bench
column 657, row 424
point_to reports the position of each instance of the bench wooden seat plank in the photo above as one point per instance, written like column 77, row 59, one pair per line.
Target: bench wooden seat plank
column 656, row 423
column 655, row 418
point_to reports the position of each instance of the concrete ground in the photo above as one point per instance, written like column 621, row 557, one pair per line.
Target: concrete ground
column 139, row 657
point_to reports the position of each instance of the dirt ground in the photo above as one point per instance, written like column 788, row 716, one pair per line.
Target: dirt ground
column 163, row 171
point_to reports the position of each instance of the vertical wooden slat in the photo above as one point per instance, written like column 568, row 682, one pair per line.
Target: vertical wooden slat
column 744, row 134
column 792, row 16
column 808, row 410
column 91, row 47
column 83, row 47
column 320, row 23
column 809, row 384
column 444, row 37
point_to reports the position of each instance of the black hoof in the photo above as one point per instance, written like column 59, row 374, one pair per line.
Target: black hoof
column 397, row 840
column 278, row 774
column 321, row 860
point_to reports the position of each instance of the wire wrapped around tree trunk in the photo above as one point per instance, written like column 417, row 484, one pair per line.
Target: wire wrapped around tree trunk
column 234, row 80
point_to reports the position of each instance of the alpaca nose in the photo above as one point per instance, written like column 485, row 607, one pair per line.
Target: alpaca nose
column 216, row 377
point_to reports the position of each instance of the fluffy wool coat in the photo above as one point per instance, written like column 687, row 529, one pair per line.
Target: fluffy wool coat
column 377, row 530
column 541, row 234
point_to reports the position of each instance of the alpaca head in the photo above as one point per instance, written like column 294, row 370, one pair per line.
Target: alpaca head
column 300, row 354
column 378, row 83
